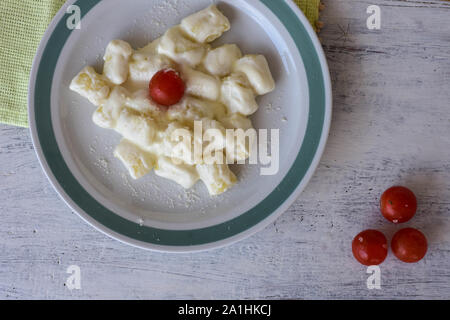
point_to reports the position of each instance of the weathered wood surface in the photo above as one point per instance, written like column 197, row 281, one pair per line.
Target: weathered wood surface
column 391, row 125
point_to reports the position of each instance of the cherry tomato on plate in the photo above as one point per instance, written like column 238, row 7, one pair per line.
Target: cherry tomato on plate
column 370, row 247
column 166, row 87
column 409, row 245
column 398, row 204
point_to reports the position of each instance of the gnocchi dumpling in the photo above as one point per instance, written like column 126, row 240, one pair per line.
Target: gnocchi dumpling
column 137, row 128
column 191, row 109
column 220, row 61
column 178, row 143
column 239, row 144
column 91, row 85
column 184, row 175
column 206, row 25
column 116, row 58
column 151, row 48
column 179, row 48
column 236, row 121
column 256, row 68
column 140, row 102
column 201, row 84
column 218, row 178
column 107, row 114
column 145, row 63
column 214, row 135
column 137, row 161
column 237, row 95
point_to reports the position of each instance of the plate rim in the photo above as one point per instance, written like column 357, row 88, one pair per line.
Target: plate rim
column 227, row 240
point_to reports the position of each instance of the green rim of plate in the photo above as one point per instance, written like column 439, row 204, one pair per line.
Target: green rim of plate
column 175, row 238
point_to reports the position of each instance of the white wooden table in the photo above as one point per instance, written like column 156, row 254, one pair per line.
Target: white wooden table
column 391, row 125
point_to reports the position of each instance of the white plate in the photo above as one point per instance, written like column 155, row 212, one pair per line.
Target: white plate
column 152, row 212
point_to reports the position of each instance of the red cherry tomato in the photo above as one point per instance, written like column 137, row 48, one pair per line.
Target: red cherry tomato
column 370, row 247
column 398, row 204
column 166, row 87
column 409, row 245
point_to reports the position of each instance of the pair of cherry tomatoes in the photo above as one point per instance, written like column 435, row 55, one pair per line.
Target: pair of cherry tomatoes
column 370, row 247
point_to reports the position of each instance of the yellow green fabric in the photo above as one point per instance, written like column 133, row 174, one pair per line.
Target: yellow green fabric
column 311, row 10
column 22, row 25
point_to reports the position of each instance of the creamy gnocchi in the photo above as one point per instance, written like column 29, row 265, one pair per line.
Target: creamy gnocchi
column 221, row 89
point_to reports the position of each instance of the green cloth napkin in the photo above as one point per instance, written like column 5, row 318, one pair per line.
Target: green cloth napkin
column 22, row 24
column 311, row 10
